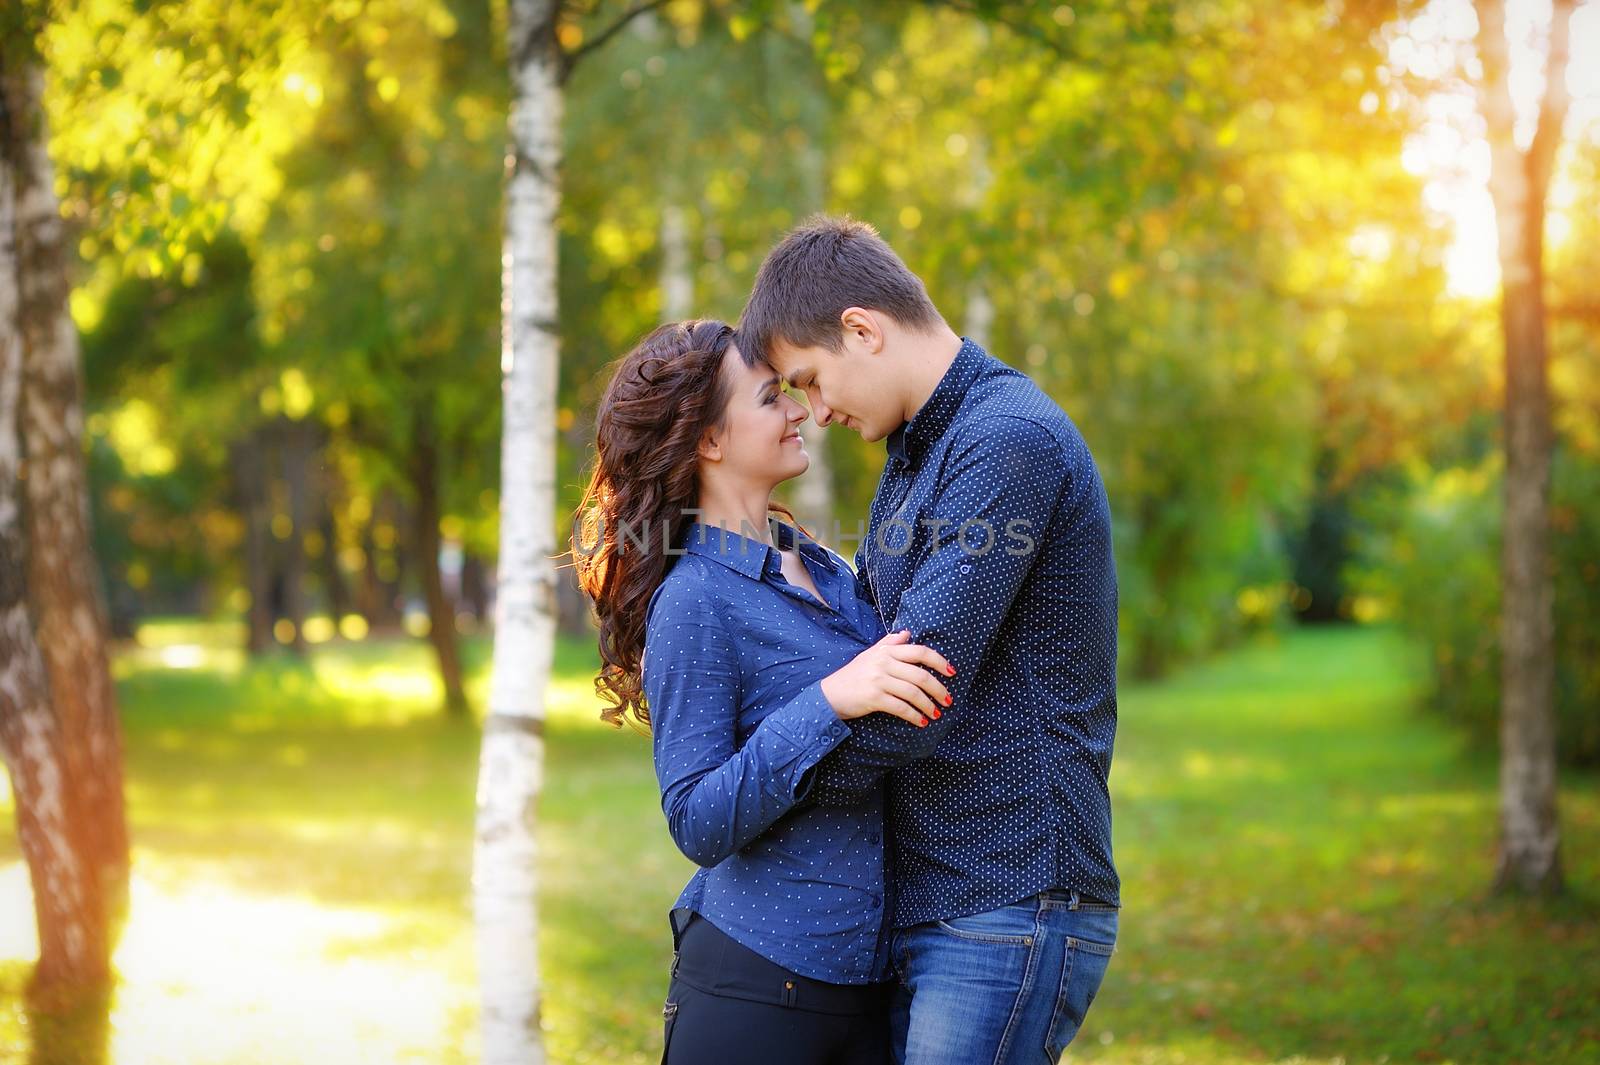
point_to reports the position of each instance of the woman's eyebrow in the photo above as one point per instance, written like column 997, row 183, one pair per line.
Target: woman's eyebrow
column 768, row 383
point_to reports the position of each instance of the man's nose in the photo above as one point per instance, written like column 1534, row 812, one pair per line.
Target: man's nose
column 821, row 411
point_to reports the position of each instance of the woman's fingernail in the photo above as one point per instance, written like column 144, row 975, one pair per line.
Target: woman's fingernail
column 951, row 670
column 948, row 699
column 935, row 714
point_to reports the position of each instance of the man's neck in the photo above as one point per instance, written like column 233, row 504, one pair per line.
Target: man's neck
column 929, row 358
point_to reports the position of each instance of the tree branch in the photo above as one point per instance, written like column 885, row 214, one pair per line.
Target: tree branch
column 1553, row 106
column 1588, row 313
column 1021, row 27
column 1494, row 90
column 570, row 59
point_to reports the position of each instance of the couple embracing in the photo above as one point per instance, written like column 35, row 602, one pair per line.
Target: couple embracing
column 893, row 776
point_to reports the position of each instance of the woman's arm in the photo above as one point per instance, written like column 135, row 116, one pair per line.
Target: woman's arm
column 718, row 797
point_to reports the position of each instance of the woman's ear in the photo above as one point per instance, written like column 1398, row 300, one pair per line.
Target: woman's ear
column 710, row 446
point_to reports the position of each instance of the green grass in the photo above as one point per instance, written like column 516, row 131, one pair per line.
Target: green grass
column 1304, row 858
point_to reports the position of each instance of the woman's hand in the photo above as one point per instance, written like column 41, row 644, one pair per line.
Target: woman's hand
column 889, row 678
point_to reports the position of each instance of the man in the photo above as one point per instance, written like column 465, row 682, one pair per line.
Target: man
column 989, row 540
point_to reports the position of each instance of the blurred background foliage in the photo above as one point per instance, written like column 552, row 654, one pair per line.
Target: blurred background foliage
column 1215, row 232
column 1247, row 246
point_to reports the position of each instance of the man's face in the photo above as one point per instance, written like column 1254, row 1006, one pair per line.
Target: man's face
column 839, row 386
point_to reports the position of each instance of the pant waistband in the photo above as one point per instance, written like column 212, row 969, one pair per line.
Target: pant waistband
column 710, row 960
column 1076, row 900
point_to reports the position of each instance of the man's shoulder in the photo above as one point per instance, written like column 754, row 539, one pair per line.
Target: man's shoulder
column 1012, row 406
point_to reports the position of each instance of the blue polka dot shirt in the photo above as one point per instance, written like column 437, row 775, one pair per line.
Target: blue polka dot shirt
column 733, row 662
column 990, row 539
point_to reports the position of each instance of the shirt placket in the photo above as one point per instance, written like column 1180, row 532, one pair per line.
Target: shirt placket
column 903, row 476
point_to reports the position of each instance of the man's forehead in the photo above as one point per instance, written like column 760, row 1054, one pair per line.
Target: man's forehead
column 790, row 362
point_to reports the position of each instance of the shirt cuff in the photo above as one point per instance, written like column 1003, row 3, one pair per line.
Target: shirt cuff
column 808, row 722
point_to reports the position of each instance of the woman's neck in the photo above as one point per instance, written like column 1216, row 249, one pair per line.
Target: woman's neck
column 744, row 513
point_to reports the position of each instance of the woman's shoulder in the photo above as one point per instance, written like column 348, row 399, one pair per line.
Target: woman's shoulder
column 688, row 591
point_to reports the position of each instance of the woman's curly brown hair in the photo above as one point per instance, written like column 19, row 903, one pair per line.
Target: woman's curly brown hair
column 663, row 396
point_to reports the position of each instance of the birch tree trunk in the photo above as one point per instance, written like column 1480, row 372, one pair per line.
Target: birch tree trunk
column 979, row 320
column 677, row 279
column 71, row 924
column 511, row 766
column 815, row 498
column 1529, row 847
column 63, row 579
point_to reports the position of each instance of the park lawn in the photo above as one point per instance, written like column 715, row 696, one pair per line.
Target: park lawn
column 1304, row 857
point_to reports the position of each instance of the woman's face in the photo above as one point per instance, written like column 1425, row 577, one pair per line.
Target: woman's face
column 759, row 442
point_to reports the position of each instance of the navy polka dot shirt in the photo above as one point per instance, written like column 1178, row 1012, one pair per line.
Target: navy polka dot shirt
column 990, row 539
column 733, row 663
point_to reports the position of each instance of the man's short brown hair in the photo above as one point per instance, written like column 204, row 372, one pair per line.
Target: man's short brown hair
column 821, row 267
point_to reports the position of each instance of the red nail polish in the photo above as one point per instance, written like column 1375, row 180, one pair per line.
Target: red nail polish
column 935, row 714
column 948, row 699
column 951, row 670
column 923, row 723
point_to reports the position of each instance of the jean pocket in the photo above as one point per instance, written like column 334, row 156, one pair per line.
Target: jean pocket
column 1014, row 925
column 1083, row 968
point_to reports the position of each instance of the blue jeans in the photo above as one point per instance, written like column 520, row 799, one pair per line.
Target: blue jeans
column 1006, row 987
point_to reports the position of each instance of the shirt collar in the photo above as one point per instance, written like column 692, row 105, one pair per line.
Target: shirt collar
column 910, row 442
column 747, row 556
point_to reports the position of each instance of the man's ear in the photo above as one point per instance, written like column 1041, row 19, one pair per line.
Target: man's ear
column 862, row 330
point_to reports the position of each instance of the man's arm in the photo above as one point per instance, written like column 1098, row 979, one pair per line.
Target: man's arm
column 1003, row 481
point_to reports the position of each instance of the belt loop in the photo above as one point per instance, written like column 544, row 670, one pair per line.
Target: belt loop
column 675, row 955
column 1074, row 904
column 789, row 993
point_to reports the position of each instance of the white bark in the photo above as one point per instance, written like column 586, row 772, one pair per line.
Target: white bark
column 979, row 322
column 69, row 609
column 511, row 767
column 980, row 313
column 814, row 496
column 29, row 737
column 813, row 493
column 677, row 279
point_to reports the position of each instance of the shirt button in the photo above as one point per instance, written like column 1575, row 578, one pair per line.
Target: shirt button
column 876, row 902
column 872, row 838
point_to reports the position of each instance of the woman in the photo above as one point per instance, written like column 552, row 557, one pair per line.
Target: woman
column 745, row 647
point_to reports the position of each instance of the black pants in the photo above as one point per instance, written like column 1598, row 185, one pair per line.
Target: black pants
column 727, row 1005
